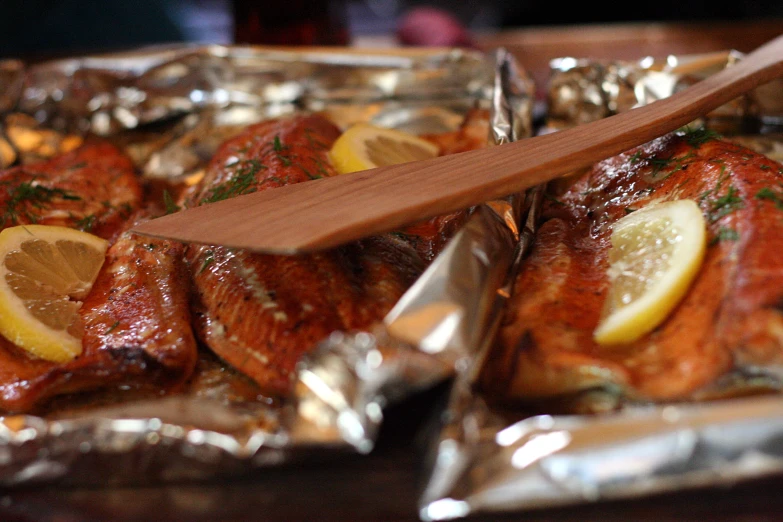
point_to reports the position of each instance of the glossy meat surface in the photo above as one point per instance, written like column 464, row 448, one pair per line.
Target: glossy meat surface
column 731, row 317
column 93, row 188
column 136, row 318
column 260, row 313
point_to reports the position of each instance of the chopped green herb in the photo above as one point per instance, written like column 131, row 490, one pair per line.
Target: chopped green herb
column 112, row 328
column 723, row 176
column 168, row 203
column 126, row 209
column 34, row 195
column 696, row 137
column 725, row 234
column 208, row 260
column 278, row 147
column 87, row 223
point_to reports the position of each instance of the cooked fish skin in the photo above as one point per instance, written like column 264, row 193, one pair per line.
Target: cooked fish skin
column 430, row 236
column 260, row 313
column 730, row 318
column 136, row 318
column 92, row 188
column 137, row 331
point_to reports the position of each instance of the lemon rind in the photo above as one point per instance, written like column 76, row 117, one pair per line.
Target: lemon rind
column 17, row 324
column 639, row 318
column 347, row 153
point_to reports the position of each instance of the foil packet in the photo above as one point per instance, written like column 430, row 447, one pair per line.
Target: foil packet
column 490, row 458
column 169, row 108
column 582, row 90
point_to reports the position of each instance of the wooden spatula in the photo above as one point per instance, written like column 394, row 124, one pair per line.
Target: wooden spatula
column 330, row 211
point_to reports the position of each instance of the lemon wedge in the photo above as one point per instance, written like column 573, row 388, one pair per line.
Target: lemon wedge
column 364, row 146
column 656, row 253
column 44, row 273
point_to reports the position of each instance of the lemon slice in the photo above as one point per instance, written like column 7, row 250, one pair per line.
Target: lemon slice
column 656, row 253
column 363, row 146
column 44, row 272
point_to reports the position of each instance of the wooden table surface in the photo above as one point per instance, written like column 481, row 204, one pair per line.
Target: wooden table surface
column 384, row 485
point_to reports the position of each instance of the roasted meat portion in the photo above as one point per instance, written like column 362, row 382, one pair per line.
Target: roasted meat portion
column 136, row 318
column 92, row 188
column 731, row 318
column 260, row 313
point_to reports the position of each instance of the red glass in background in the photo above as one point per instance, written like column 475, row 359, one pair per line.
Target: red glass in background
column 290, row 22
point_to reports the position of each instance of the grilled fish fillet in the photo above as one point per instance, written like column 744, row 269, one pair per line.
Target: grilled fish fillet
column 136, row 319
column 93, row 188
column 260, row 313
column 731, row 318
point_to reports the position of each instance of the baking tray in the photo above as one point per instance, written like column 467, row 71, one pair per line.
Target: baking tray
column 169, row 108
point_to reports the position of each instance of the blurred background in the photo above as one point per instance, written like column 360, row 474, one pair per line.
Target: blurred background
column 28, row 27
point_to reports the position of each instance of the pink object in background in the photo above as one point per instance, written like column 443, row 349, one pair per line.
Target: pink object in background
column 432, row 27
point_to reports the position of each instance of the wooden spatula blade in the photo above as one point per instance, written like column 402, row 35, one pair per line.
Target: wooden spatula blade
column 328, row 212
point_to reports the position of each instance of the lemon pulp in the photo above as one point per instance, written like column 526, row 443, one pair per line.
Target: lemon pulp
column 655, row 254
column 364, row 146
column 44, row 273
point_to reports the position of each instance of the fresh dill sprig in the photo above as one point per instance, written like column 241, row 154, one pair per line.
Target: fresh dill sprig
column 33, row 194
column 242, row 183
column 698, row 136
column 168, row 203
column 87, row 223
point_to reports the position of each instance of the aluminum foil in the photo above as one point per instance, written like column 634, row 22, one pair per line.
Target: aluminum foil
column 490, row 459
column 170, row 108
column 583, row 90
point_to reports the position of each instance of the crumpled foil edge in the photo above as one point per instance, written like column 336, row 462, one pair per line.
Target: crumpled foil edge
column 342, row 387
column 484, row 462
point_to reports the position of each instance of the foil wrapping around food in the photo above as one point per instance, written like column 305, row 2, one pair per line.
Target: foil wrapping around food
column 169, row 109
column 493, row 457
column 581, row 90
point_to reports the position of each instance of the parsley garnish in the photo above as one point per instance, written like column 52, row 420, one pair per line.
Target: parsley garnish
column 111, row 328
column 725, row 204
column 769, row 194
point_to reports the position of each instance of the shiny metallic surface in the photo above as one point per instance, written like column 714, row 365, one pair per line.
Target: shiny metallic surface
column 491, row 459
column 169, row 109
